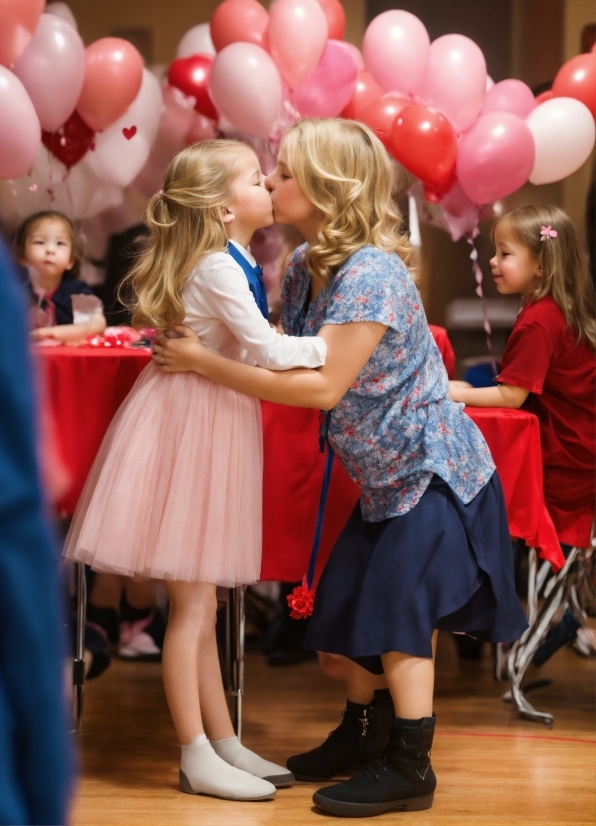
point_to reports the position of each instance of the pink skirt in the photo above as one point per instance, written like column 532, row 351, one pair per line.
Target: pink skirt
column 176, row 489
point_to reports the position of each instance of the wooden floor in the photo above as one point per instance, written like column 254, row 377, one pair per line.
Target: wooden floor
column 493, row 768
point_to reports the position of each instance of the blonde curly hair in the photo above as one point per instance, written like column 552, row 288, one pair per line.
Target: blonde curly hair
column 185, row 221
column 345, row 172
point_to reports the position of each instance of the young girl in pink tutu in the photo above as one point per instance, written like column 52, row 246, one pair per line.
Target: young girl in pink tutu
column 175, row 491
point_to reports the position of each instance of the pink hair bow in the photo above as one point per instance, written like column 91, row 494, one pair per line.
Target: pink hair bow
column 547, row 232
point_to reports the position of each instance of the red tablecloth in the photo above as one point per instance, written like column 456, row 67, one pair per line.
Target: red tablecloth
column 85, row 387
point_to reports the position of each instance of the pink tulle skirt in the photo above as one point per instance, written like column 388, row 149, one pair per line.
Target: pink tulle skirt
column 176, row 489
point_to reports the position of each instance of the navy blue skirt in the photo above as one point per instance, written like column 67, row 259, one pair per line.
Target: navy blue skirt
column 388, row 585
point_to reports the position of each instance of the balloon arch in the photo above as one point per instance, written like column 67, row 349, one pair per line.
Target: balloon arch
column 80, row 124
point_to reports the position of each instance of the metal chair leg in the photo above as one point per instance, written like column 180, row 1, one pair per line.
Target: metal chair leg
column 540, row 620
column 78, row 665
column 235, row 654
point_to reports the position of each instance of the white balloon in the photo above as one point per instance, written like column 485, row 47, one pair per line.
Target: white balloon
column 63, row 11
column 564, row 133
column 196, row 41
column 88, row 194
column 121, row 151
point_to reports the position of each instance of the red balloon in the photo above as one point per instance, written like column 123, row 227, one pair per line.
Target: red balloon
column 191, row 76
column 71, row 141
column 380, row 115
column 336, row 18
column 577, row 79
column 238, row 20
column 424, row 141
column 544, row 96
column 113, row 77
column 366, row 91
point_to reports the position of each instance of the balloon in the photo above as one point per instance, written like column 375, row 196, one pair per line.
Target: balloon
column 355, row 52
column 201, row 129
column 330, row 85
column 563, row 131
column 495, row 157
column 423, row 140
column 489, row 82
column 336, row 18
column 63, row 11
column 380, row 115
column 461, row 214
column 123, row 149
column 19, row 21
column 191, row 76
column 235, row 21
column 196, row 41
column 365, row 92
column 395, row 48
column 509, row 96
column 455, row 80
column 52, row 69
column 71, row 141
column 297, row 36
column 20, row 132
column 113, row 76
column 577, row 79
column 246, row 88
column 544, row 96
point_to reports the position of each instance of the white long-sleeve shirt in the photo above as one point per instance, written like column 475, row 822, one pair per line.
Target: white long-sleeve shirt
column 222, row 311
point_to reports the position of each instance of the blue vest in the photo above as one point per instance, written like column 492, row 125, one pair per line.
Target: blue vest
column 254, row 276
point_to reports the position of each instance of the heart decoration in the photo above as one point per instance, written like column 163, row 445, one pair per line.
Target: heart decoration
column 71, row 142
column 129, row 132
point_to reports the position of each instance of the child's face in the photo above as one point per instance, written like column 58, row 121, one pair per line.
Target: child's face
column 515, row 270
column 48, row 248
column 250, row 204
column 290, row 204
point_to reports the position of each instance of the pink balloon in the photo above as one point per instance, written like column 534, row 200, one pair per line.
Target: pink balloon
column 298, row 33
column 330, row 85
column 495, row 157
column 246, row 88
column 52, row 69
column 20, row 132
column 18, row 21
column 354, row 51
column 455, row 80
column 395, row 49
column 509, row 96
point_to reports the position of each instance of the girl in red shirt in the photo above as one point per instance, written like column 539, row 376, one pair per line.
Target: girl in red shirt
column 548, row 364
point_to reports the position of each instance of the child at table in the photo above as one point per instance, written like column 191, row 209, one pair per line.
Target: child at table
column 175, row 491
column 549, row 367
column 548, row 364
column 46, row 246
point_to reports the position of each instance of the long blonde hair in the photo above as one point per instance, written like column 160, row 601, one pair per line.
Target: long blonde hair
column 345, row 172
column 185, row 222
column 564, row 273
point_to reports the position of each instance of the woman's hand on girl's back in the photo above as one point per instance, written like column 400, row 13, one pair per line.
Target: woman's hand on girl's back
column 180, row 354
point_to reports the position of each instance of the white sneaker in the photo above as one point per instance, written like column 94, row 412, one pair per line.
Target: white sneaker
column 136, row 643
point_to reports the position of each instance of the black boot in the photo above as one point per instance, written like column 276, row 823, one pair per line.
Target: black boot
column 401, row 778
column 360, row 738
column 380, row 718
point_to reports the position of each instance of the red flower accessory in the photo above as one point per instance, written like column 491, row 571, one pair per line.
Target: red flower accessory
column 301, row 601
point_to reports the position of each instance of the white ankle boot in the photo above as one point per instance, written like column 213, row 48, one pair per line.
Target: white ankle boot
column 234, row 753
column 203, row 772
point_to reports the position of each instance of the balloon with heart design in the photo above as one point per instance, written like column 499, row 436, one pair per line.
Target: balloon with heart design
column 122, row 150
column 71, row 142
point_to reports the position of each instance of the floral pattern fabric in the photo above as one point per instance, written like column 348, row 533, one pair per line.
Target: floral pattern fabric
column 395, row 427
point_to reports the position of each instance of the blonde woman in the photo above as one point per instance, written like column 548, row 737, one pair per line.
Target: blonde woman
column 427, row 546
column 175, row 491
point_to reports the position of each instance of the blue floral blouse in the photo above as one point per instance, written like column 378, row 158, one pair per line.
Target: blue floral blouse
column 395, row 426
